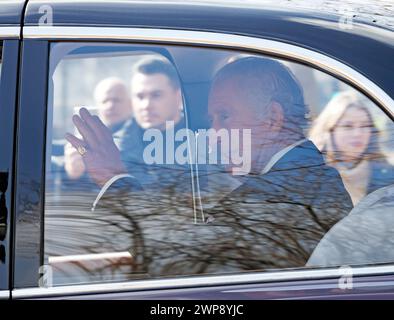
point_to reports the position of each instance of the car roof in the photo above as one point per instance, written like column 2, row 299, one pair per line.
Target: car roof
column 380, row 15
column 11, row 12
column 365, row 47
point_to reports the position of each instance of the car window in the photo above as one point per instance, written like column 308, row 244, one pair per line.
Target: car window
column 8, row 79
column 107, row 105
column 173, row 161
column 1, row 56
column 3, row 217
column 299, row 149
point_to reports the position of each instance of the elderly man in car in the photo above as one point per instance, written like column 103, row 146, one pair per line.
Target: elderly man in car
column 282, row 207
column 277, row 211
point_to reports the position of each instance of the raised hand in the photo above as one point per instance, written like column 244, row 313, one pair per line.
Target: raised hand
column 97, row 148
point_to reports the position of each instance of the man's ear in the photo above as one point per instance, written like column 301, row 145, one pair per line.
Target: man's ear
column 276, row 117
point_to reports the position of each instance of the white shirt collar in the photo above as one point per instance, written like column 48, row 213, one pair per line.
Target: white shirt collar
column 277, row 156
column 230, row 183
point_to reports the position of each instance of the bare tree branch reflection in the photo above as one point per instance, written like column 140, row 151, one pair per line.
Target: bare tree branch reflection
column 254, row 229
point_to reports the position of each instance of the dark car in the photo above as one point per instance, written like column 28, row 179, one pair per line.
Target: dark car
column 159, row 228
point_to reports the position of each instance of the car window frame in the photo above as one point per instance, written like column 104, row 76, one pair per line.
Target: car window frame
column 8, row 95
column 273, row 48
column 30, row 167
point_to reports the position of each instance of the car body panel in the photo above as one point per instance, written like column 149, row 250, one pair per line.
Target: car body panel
column 366, row 287
column 302, row 28
column 8, row 100
column 30, row 164
column 11, row 12
column 319, row 32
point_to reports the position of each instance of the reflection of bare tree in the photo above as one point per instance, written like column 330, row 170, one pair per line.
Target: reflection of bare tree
column 116, row 225
column 28, row 231
column 271, row 221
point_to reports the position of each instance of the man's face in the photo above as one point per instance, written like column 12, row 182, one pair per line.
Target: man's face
column 114, row 104
column 155, row 100
column 228, row 109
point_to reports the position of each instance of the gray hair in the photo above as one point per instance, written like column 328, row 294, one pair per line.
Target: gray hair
column 263, row 80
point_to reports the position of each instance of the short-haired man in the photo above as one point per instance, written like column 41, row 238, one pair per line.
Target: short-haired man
column 158, row 107
column 113, row 101
column 156, row 94
column 157, row 104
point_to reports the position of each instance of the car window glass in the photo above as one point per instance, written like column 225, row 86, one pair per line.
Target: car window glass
column 293, row 151
column 134, row 97
column 3, row 217
column 174, row 161
column 1, row 57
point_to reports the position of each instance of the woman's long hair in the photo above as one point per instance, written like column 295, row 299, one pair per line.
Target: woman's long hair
column 321, row 132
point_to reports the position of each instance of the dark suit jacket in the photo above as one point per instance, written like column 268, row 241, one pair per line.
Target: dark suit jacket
column 153, row 177
column 278, row 218
column 382, row 175
column 271, row 221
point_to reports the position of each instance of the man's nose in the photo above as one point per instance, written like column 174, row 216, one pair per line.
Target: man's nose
column 111, row 104
column 146, row 103
column 106, row 105
column 215, row 124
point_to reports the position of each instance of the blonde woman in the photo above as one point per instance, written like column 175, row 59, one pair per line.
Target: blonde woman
column 347, row 136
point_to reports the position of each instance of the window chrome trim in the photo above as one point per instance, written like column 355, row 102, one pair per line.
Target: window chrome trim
column 9, row 32
column 4, row 294
column 284, row 50
column 200, row 281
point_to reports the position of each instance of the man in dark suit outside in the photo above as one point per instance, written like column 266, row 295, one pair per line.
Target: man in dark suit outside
column 157, row 104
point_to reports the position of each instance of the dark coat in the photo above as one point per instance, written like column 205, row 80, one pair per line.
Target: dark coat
column 364, row 237
column 153, row 177
column 382, row 175
column 278, row 218
column 271, row 221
